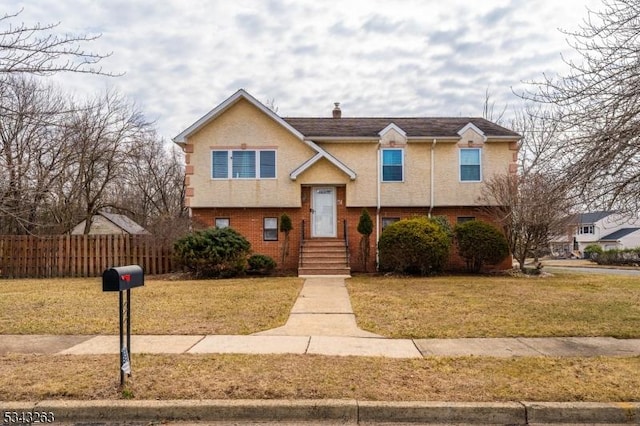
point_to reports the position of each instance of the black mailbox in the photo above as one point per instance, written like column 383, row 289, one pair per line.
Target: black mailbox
column 122, row 278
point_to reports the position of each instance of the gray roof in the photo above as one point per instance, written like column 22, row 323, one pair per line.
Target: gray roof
column 414, row 127
column 592, row 217
column 615, row 236
column 125, row 223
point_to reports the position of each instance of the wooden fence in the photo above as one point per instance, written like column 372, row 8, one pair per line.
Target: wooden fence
column 80, row 255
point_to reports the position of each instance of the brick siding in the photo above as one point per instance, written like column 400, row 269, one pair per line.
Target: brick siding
column 250, row 223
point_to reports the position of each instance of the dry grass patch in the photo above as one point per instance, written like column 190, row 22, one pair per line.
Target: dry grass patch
column 79, row 306
column 311, row 377
column 483, row 306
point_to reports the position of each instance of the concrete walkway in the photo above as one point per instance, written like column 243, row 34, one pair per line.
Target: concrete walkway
column 322, row 322
column 323, row 308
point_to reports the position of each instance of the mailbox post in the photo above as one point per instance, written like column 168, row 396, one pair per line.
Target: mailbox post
column 120, row 279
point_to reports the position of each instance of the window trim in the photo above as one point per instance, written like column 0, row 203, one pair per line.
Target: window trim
column 257, row 169
column 591, row 229
column 265, row 229
column 479, row 150
column 215, row 222
column 402, row 165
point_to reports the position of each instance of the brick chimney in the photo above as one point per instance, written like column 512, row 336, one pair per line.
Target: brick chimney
column 337, row 113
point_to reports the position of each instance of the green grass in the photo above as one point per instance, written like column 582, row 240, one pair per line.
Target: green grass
column 79, row 306
column 497, row 306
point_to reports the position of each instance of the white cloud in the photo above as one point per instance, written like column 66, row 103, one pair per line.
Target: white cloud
column 409, row 57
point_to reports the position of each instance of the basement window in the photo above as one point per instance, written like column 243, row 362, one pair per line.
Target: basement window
column 270, row 228
column 222, row 222
column 386, row 221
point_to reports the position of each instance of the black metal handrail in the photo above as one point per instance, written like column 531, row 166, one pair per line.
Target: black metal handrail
column 346, row 239
column 301, row 243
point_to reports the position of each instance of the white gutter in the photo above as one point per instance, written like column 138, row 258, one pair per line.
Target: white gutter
column 431, row 188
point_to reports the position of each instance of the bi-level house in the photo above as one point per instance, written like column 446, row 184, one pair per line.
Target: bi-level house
column 607, row 229
column 246, row 166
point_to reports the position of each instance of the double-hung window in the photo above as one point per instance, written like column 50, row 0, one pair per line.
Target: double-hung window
column 243, row 164
column 270, row 228
column 392, row 165
column 470, row 165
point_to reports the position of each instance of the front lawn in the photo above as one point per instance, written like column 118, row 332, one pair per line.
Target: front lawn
column 223, row 376
column 79, row 306
column 497, row 306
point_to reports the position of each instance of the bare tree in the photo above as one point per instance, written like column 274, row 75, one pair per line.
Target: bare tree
column 32, row 152
column 530, row 211
column 599, row 102
column 36, row 49
column 531, row 204
column 541, row 142
column 155, row 188
column 103, row 134
column 489, row 109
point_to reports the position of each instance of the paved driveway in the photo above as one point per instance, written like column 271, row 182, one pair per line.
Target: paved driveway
column 605, row 271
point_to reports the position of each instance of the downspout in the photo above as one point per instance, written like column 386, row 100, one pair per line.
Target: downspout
column 432, row 177
column 377, row 205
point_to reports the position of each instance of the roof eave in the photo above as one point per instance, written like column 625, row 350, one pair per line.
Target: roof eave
column 181, row 138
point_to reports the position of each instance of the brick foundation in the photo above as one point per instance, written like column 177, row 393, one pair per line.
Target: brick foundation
column 249, row 222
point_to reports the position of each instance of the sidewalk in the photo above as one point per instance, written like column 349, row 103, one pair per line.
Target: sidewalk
column 322, row 322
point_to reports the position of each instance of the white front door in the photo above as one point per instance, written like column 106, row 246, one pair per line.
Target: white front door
column 323, row 212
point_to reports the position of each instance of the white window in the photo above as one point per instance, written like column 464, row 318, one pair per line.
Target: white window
column 243, row 164
column 470, row 165
column 586, row 229
column 222, row 222
column 392, row 165
column 270, row 228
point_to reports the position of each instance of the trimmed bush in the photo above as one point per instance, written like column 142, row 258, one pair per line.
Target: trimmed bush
column 414, row 246
column 215, row 252
column 365, row 228
column 480, row 244
column 625, row 257
column 592, row 251
column 444, row 223
column 285, row 227
column 261, row 264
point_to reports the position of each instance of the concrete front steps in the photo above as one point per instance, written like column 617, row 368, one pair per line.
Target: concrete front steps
column 324, row 257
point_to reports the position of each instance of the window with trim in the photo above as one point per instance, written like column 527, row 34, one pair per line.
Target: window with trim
column 386, row 221
column 392, row 165
column 463, row 219
column 243, row 164
column 586, row 229
column 470, row 165
column 222, row 222
column 270, row 228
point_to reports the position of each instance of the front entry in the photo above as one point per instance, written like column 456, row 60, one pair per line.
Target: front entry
column 323, row 212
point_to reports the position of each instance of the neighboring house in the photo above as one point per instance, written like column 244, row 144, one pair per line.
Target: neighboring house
column 607, row 229
column 104, row 223
column 246, row 166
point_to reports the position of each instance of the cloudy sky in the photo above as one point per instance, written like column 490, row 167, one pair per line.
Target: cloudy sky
column 180, row 58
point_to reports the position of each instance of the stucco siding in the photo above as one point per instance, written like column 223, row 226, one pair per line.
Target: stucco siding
column 321, row 173
column 361, row 158
column 414, row 190
column 449, row 189
column 243, row 126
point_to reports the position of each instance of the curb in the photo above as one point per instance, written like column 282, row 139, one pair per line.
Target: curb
column 343, row 411
column 583, row 412
column 511, row 413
